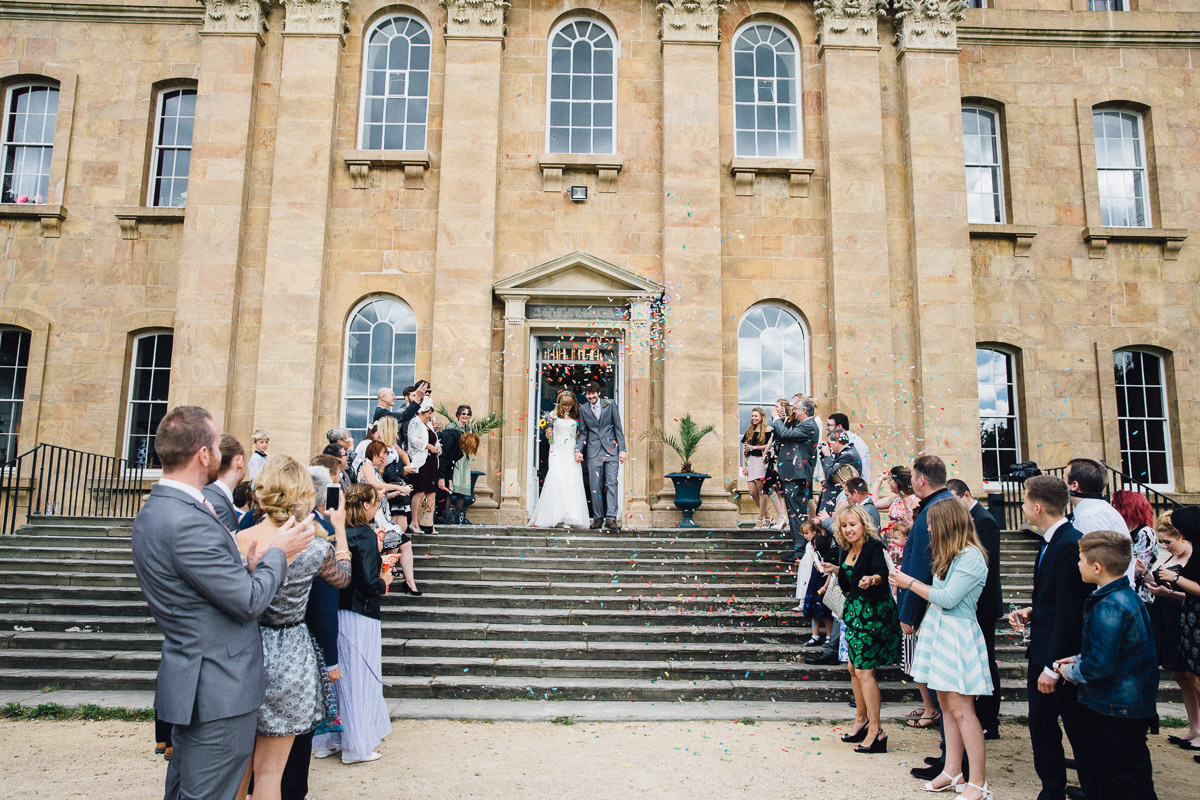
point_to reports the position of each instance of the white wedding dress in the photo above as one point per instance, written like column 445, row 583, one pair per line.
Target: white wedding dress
column 562, row 501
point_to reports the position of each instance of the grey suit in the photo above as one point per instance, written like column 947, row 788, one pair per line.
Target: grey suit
column 220, row 502
column 210, row 680
column 601, row 440
column 795, row 459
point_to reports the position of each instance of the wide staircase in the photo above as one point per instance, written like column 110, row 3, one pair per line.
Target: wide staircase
column 517, row 613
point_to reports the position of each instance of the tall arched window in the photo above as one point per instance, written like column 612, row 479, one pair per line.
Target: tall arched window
column 381, row 350
column 172, row 156
column 999, row 437
column 30, row 118
column 14, row 363
column 395, row 94
column 149, row 386
column 772, row 359
column 981, row 153
column 1121, row 168
column 1142, row 416
column 581, row 106
column 766, row 93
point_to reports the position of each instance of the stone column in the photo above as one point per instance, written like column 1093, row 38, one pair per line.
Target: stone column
column 208, row 300
column 943, row 305
column 516, row 426
column 294, row 280
column 638, row 357
column 858, row 271
column 466, row 221
column 691, row 260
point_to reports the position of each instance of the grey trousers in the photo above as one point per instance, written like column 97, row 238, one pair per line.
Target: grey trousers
column 602, row 482
column 210, row 758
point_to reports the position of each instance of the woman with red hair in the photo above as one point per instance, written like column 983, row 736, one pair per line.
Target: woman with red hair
column 1135, row 509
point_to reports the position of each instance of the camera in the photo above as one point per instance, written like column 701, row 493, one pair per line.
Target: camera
column 1022, row 471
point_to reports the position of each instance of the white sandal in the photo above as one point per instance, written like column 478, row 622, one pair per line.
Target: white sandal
column 955, row 780
column 987, row 793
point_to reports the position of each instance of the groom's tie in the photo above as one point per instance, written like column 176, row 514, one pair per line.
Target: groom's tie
column 596, row 410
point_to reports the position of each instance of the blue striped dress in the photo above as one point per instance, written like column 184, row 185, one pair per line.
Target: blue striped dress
column 951, row 655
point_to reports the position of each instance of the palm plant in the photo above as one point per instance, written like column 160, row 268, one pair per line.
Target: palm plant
column 686, row 443
column 477, row 427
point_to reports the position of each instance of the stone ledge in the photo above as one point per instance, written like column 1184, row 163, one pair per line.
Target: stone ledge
column 1066, row 28
column 605, row 165
column 1020, row 235
column 89, row 12
column 746, row 170
column 414, row 163
column 1171, row 239
column 51, row 216
column 131, row 217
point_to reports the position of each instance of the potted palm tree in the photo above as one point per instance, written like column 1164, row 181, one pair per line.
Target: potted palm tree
column 687, row 482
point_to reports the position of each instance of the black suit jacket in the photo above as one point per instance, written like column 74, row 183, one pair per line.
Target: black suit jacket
column 795, row 448
column 1058, row 594
column 991, row 601
column 402, row 419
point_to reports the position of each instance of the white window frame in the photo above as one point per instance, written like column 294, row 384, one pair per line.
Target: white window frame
column 997, row 168
column 6, row 145
column 616, row 48
column 1014, row 402
column 805, row 358
column 1143, row 170
column 130, row 400
column 362, row 90
column 157, row 146
column 1169, row 485
column 346, row 398
column 796, row 105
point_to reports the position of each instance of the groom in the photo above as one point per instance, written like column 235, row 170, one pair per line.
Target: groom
column 604, row 439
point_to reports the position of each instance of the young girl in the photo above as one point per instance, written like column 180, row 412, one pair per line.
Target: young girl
column 822, row 549
column 755, row 443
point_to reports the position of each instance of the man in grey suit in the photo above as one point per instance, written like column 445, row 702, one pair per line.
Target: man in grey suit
column 602, row 437
column 219, row 493
column 795, row 459
column 206, row 603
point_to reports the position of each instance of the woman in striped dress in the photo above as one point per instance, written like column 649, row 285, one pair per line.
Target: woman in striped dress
column 951, row 656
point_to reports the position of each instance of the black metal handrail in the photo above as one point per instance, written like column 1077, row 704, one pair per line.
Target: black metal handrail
column 1013, row 494
column 52, row 480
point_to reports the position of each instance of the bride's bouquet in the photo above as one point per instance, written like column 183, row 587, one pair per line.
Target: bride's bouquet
column 546, row 423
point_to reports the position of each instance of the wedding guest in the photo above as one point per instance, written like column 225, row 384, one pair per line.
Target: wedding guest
column 951, row 657
column 1116, row 670
column 360, row 450
column 219, row 493
column 824, row 549
column 241, row 498
column 871, row 628
column 1135, row 510
column 836, row 452
column 467, row 443
column 342, row 454
column 340, row 436
column 900, row 503
column 423, row 449
column 295, row 684
column 1186, row 579
column 840, row 423
column 772, row 484
column 795, row 452
column 397, row 471
column 260, row 439
column 755, row 442
column 1166, row 617
column 330, row 464
column 372, row 467
column 1087, row 480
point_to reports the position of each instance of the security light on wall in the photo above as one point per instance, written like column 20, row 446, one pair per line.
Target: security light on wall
column 578, row 194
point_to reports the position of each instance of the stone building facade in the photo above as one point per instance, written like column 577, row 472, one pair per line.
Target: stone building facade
column 231, row 202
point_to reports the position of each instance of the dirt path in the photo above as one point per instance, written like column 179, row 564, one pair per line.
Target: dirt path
column 460, row 760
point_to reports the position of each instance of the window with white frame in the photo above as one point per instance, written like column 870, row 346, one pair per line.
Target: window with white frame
column 395, row 94
column 772, row 359
column 1142, row 416
column 149, row 385
column 30, row 115
column 14, row 363
column 999, row 438
column 1121, row 168
column 1108, row 5
column 172, row 148
column 381, row 350
column 581, row 104
column 766, row 93
column 981, row 154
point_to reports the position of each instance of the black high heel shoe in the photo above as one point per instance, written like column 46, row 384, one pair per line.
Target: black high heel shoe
column 856, row 737
column 877, row 745
column 414, row 592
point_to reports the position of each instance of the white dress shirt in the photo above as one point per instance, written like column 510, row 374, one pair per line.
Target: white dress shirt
column 220, row 484
column 186, row 488
column 860, row 447
column 1048, row 534
column 1098, row 515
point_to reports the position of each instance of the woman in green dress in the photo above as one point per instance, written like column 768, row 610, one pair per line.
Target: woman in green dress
column 458, row 462
column 870, row 620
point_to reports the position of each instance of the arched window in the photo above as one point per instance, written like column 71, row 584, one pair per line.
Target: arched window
column 581, row 106
column 381, row 350
column 772, row 359
column 395, row 94
column 30, row 117
column 14, row 363
column 766, row 93
column 149, row 386
column 981, row 152
column 172, row 148
column 1142, row 416
column 1121, row 168
column 999, row 437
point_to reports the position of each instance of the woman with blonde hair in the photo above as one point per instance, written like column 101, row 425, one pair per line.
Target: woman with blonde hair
column 562, row 500
column 395, row 471
column 297, row 689
column 772, row 486
column 951, row 656
column 755, row 443
column 870, row 620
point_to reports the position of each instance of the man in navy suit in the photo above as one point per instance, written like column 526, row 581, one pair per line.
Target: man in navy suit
column 1056, row 620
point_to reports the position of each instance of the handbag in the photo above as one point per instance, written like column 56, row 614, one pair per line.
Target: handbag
column 834, row 600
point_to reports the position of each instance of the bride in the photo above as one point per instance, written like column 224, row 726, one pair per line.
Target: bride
column 562, row 501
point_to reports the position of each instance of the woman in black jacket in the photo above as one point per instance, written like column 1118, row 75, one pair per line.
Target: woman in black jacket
column 872, row 625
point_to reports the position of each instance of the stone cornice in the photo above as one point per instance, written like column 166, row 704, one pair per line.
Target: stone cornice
column 235, row 16
column 690, row 21
column 315, row 17
column 475, row 19
column 927, row 24
column 1061, row 37
column 88, row 12
column 849, row 23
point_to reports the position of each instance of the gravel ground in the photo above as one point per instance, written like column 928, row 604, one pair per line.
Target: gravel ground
column 458, row 759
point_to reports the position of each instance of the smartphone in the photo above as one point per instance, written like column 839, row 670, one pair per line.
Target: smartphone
column 333, row 498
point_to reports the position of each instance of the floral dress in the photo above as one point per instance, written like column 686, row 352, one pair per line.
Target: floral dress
column 870, row 616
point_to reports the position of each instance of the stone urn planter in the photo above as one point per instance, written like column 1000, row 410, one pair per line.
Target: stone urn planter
column 687, row 495
column 687, row 481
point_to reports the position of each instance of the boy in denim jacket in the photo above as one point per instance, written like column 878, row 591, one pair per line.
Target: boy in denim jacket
column 1117, row 668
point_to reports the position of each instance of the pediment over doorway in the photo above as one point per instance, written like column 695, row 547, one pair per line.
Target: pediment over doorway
column 577, row 276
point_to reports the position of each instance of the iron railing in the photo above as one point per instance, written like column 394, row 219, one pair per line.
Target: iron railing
column 1012, row 493
column 58, row 481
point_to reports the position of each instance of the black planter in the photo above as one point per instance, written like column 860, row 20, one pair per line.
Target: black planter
column 687, row 495
column 475, row 475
